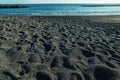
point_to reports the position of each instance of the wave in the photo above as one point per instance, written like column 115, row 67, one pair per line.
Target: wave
column 100, row 5
column 63, row 13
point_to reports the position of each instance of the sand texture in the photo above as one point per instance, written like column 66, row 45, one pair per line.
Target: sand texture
column 59, row 48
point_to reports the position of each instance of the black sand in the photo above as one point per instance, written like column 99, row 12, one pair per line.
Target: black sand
column 60, row 48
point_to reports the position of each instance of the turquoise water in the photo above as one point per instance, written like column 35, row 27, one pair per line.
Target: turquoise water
column 63, row 10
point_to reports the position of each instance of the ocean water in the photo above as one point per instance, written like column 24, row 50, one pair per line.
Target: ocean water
column 62, row 10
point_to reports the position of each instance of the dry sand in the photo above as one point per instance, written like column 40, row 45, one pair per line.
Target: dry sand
column 60, row 48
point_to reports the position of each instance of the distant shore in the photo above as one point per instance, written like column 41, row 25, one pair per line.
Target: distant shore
column 12, row 6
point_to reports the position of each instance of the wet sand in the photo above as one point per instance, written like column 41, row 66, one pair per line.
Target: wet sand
column 60, row 48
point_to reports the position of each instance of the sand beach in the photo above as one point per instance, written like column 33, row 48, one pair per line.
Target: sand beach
column 59, row 48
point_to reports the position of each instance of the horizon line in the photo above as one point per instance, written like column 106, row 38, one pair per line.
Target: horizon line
column 63, row 3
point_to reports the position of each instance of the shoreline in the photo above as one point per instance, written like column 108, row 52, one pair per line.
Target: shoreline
column 105, row 18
